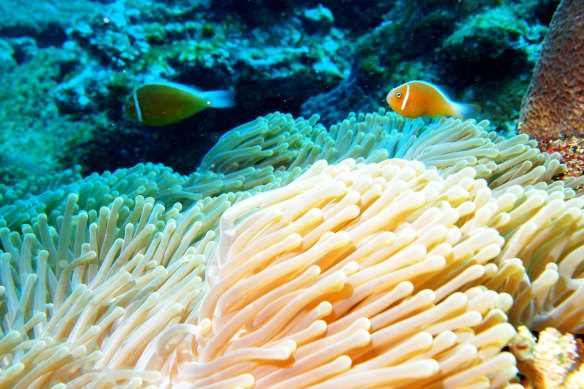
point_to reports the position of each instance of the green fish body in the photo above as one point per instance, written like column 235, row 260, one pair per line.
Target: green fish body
column 163, row 103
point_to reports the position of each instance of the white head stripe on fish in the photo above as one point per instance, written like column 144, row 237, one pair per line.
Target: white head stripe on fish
column 406, row 97
column 137, row 105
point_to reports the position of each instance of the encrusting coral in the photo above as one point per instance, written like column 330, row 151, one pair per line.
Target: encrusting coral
column 552, row 107
column 571, row 150
column 552, row 360
column 294, row 257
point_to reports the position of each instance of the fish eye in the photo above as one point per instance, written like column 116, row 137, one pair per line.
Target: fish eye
column 398, row 95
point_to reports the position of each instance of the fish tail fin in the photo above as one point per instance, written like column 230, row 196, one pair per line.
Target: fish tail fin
column 467, row 111
column 221, row 98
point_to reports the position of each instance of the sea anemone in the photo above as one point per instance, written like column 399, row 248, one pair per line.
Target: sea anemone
column 292, row 256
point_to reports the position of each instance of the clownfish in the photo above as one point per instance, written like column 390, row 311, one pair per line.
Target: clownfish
column 162, row 103
column 415, row 99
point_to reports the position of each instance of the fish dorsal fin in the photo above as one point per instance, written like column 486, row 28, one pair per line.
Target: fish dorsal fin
column 187, row 88
column 446, row 91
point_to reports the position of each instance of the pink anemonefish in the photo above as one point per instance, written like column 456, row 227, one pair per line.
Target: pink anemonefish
column 162, row 103
column 415, row 99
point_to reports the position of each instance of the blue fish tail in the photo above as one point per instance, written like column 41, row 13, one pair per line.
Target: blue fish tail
column 467, row 111
column 221, row 98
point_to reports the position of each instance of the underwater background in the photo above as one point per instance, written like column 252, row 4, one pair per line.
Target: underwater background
column 69, row 67
column 130, row 254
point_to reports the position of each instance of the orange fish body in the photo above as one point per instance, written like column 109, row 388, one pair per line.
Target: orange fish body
column 162, row 103
column 415, row 99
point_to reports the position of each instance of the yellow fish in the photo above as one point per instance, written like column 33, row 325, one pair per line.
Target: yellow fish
column 162, row 103
column 415, row 99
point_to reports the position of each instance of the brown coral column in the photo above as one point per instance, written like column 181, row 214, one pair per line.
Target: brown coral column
column 554, row 104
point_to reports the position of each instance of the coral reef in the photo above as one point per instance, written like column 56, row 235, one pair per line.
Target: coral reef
column 553, row 360
column 552, row 107
column 33, row 129
column 44, row 21
column 571, row 150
